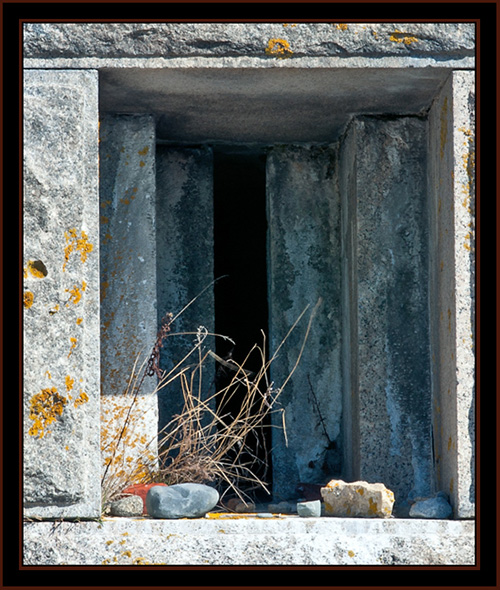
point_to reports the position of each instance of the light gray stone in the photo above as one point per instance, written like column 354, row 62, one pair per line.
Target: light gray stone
column 251, row 541
column 308, row 509
column 436, row 507
column 185, row 500
column 304, row 267
column 128, row 506
column 61, row 294
column 170, row 40
column 359, row 499
column 451, row 181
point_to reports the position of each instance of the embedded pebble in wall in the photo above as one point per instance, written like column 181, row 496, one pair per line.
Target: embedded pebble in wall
column 435, row 507
column 128, row 506
column 184, row 500
column 307, row 509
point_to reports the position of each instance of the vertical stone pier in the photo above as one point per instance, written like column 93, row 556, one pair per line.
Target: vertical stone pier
column 385, row 233
column 185, row 261
column 61, row 295
column 128, row 294
column 452, row 288
column 304, row 266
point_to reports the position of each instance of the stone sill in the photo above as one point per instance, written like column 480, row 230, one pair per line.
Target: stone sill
column 251, row 540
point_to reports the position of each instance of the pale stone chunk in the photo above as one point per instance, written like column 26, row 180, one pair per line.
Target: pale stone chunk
column 357, row 499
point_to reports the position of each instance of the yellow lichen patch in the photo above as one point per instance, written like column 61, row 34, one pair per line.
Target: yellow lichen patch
column 83, row 398
column 76, row 244
column 73, row 346
column 144, row 151
column 75, row 293
column 69, row 383
column 28, row 299
column 372, row 509
column 360, row 491
column 279, row 48
column 400, row 37
column 351, row 553
column 289, row 25
column 142, row 163
column 341, row 26
column 37, row 269
column 54, row 310
column 79, row 321
column 45, row 407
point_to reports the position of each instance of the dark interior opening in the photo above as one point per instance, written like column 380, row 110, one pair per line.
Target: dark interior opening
column 241, row 308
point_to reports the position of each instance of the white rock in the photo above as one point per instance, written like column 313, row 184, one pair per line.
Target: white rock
column 359, row 498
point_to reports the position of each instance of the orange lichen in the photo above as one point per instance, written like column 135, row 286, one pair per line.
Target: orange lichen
column 82, row 399
column 279, row 48
column 37, row 268
column 75, row 293
column 73, row 346
column 400, row 37
column 341, row 26
column 45, row 407
column 69, row 383
column 78, row 244
column 28, row 298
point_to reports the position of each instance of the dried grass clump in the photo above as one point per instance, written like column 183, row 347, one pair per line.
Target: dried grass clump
column 204, row 443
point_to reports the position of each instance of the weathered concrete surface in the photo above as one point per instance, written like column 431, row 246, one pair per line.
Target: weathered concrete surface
column 61, row 294
column 170, row 40
column 452, row 292
column 390, row 374
column 304, row 266
column 251, row 541
column 128, row 290
column 185, row 251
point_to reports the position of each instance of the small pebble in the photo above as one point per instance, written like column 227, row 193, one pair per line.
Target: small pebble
column 128, row 506
column 307, row 509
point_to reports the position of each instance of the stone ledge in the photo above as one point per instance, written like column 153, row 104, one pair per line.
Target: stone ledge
column 250, row 540
column 354, row 62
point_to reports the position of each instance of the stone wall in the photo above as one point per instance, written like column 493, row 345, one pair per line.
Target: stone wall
column 395, row 377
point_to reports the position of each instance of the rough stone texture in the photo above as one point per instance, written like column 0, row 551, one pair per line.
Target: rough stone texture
column 129, row 506
column 251, row 541
column 437, row 507
column 452, row 209
column 168, row 40
column 184, row 500
column 128, row 289
column 357, row 499
column 61, row 294
column 304, row 222
column 309, row 509
column 390, row 368
column 185, row 245
column 141, row 490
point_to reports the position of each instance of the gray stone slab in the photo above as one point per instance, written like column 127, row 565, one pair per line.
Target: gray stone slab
column 452, row 280
column 304, row 266
column 185, row 245
column 128, row 288
column 251, row 541
column 128, row 247
column 61, row 294
column 126, row 40
column 390, row 374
